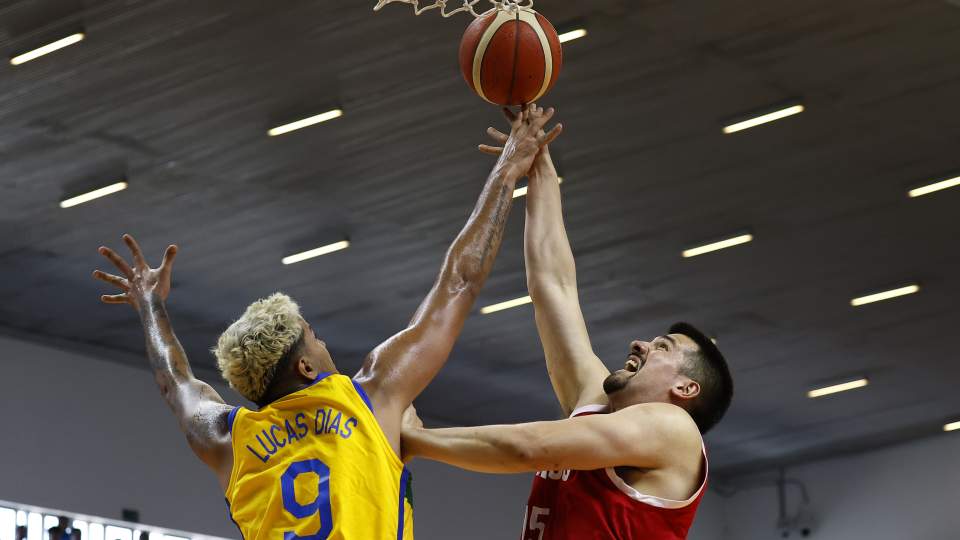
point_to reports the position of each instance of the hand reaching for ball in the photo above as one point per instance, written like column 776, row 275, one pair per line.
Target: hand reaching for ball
column 527, row 136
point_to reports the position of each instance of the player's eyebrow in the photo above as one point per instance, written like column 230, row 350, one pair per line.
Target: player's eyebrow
column 671, row 339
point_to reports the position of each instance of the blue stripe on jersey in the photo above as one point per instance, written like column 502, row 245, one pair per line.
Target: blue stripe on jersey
column 321, row 377
column 230, row 418
column 404, row 479
column 363, row 394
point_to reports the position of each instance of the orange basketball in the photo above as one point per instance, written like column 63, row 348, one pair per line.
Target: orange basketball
column 511, row 56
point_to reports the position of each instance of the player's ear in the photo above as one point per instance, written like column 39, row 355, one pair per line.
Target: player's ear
column 686, row 389
column 305, row 368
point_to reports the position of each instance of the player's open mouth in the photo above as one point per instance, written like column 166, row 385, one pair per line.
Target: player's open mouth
column 634, row 363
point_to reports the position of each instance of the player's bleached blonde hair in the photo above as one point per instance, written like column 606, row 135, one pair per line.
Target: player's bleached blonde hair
column 249, row 350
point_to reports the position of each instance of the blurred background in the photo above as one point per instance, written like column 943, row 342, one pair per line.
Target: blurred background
column 168, row 104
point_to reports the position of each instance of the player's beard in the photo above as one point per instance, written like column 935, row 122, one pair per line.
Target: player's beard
column 616, row 381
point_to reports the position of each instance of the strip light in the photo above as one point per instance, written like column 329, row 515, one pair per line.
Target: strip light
column 572, row 35
column 852, row 385
column 936, row 186
column 764, row 119
column 47, row 49
column 95, row 194
column 716, row 246
column 306, row 122
column 324, row 250
column 952, row 426
column 522, row 191
column 505, row 305
column 885, row 295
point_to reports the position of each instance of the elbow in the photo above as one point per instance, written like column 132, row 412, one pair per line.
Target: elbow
column 541, row 287
column 542, row 279
column 525, row 453
column 466, row 279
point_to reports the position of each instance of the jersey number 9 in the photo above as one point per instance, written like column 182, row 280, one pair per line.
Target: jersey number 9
column 320, row 505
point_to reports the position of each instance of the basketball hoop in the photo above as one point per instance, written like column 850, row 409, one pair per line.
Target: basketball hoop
column 467, row 6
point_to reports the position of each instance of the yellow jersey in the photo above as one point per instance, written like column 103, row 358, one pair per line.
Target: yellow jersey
column 315, row 465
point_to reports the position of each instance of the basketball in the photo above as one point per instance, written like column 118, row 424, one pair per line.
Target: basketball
column 511, row 56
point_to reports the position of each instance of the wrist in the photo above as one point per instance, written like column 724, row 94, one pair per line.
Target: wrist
column 511, row 170
column 149, row 303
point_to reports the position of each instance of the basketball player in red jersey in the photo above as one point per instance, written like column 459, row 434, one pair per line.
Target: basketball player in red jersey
column 629, row 462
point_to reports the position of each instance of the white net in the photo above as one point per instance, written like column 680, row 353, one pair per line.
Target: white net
column 468, row 6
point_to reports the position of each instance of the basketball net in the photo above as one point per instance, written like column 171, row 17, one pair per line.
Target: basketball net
column 467, row 6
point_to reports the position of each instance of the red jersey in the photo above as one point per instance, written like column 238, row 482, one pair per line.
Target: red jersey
column 599, row 505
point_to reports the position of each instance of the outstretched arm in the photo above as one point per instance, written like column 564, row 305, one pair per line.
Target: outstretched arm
column 200, row 411
column 646, row 436
column 399, row 369
column 576, row 373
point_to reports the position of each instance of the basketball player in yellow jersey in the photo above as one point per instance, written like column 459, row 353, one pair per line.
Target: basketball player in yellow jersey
column 319, row 459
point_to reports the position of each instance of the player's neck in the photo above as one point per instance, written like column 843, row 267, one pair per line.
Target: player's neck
column 287, row 386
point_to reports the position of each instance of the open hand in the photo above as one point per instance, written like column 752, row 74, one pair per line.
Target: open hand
column 527, row 136
column 139, row 282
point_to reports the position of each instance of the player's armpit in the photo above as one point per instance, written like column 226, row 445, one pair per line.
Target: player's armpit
column 203, row 418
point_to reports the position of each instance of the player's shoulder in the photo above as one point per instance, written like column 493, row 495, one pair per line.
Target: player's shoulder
column 668, row 421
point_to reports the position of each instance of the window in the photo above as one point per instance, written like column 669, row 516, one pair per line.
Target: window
column 113, row 532
column 35, row 527
column 8, row 523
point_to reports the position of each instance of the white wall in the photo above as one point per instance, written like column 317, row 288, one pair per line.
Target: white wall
column 93, row 437
column 904, row 492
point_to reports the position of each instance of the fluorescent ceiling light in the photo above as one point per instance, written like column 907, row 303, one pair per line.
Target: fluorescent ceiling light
column 522, row 191
column 723, row 244
column 47, row 49
column 885, row 295
column 952, row 426
column 95, row 194
column 300, row 257
column 306, row 122
column 505, row 305
column 936, row 186
column 572, row 35
column 819, row 392
column 766, row 118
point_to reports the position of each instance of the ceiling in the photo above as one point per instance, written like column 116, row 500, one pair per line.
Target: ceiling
column 177, row 95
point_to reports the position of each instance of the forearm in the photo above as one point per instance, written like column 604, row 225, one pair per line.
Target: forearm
column 487, row 449
column 472, row 254
column 549, row 259
column 167, row 357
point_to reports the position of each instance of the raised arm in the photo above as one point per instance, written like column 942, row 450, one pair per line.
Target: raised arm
column 575, row 371
column 647, row 436
column 399, row 369
column 200, row 411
